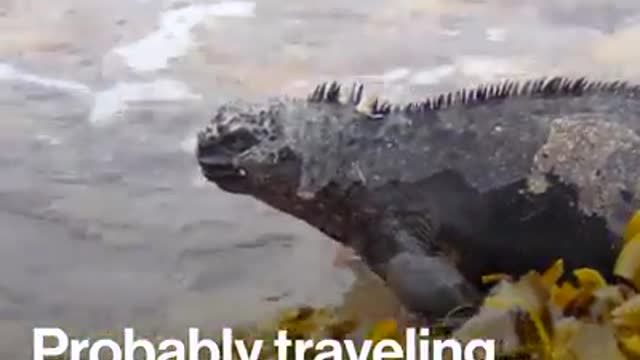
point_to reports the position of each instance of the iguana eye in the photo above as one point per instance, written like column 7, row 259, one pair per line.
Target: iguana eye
column 238, row 140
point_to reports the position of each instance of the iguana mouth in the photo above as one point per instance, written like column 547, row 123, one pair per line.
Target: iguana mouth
column 215, row 172
column 216, row 159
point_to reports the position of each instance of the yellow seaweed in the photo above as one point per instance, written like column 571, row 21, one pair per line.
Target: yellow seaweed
column 542, row 333
column 529, row 294
column 631, row 344
column 628, row 314
column 495, row 278
column 589, row 341
column 562, row 295
column 589, row 279
column 386, row 329
column 628, row 263
column 633, row 227
column 564, row 333
column 551, row 276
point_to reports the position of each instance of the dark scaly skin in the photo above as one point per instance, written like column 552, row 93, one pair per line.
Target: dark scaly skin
column 500, row 178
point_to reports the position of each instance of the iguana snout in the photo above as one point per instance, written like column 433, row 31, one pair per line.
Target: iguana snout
column 234, row 142
column 216, row 153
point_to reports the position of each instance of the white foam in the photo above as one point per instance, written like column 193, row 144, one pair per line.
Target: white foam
column 451, row 33
column 432, row 76
column 48, row 139
column 487, row 68
column 7, row 71
column 392, row 75
column 114, row 101
column 396, row 74
column 10, row 72
column 496, row 34
column 173, row 37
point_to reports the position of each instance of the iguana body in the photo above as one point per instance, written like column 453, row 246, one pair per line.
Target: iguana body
column 500, row 178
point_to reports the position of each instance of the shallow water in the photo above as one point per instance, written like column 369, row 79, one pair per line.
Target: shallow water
column 106, row 221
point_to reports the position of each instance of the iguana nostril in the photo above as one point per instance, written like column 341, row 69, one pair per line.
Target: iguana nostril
column 205, row 139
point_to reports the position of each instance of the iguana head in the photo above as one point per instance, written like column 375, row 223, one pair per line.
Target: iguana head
column 286, row 147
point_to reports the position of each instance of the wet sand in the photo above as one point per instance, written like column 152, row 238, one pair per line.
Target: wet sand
column 106, row 220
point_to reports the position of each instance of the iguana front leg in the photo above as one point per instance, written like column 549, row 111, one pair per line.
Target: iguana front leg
column 426, row 281
column 429, row 285
column 415, row 243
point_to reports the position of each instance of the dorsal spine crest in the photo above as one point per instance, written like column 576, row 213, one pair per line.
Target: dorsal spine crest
column 483, row 93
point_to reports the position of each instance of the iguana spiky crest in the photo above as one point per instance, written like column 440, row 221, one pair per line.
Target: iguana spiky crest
column 334, row 93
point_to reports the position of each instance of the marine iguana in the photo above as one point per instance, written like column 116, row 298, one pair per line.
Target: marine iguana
column 502, row 177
